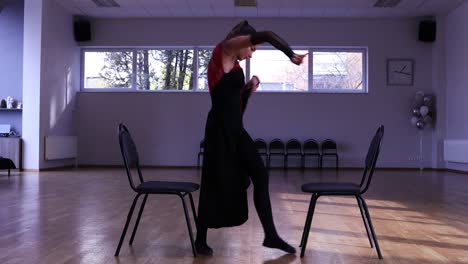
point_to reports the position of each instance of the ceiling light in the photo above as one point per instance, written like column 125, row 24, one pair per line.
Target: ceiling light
column 106, row 3
column 386, row 3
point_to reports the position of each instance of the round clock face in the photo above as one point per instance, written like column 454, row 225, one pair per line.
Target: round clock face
column 400, row 72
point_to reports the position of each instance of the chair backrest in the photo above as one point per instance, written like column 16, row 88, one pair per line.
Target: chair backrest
column 311, row 146
column 293, row 146
column 129, row 154
column 261, row 146
column 202, row 145
column 328, row 146
column 276, row 146
column 371, row 159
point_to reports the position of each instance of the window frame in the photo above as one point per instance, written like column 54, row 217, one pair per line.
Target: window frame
column 113, row 89
column 365, row 76
column 311, row 49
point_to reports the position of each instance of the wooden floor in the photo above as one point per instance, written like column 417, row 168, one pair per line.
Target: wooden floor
column 76, row 216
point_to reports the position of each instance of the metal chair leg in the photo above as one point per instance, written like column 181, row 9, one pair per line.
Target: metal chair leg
column 189, row 226
column 198, row 161
column 142, row 206
column 309, row 212
column 366, row 210
column 313, row 202
column 365, row 222
column 285, row 162
column 124, row 231
column 192, row 204
column 268, row 162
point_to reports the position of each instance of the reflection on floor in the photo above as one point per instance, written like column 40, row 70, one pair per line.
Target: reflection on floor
column 76, row 216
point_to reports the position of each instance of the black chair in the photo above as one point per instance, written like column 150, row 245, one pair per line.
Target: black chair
column 293, row 148
column 7, row 164
column 262, row 148
column 310, row 148
column 329, row 149
column 276, row 148
column 200, row 152
column 181, row 189
column 347, row 188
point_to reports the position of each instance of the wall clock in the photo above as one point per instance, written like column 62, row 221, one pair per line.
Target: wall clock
column 400, row 72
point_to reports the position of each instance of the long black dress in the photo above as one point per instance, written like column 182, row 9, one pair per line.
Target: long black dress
column 224, row 183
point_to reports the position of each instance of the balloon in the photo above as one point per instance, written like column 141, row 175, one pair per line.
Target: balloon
column 424, row 110
column 427, row 101
column 416, row 112
column 427, row 119
column 414, row 120
column 419, row 98
column 420, row 124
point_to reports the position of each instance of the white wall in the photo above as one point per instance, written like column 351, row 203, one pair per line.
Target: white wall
column 51, row 63
column 59, row 77
column 33, row 17
column 457, row 79
column 168, row 126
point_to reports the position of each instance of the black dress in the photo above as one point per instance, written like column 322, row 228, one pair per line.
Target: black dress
column 224, row 183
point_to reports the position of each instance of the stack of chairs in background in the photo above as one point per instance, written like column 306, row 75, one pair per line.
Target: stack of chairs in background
column 308, row 151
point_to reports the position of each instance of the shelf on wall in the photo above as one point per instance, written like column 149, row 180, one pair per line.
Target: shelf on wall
column 11, row 109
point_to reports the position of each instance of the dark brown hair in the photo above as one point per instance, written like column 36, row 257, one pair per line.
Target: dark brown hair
column 242, row 28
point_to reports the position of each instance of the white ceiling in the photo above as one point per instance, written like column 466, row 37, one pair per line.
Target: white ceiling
column 265, row 8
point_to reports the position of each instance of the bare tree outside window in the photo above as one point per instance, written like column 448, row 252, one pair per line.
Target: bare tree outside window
column 108, row 69
column 204, row 56
column 333, row 69
column 338, row 70
column 277, row 73
column 165, row 69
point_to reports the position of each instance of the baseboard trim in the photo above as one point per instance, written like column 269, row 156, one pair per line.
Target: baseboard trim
column 94, row 166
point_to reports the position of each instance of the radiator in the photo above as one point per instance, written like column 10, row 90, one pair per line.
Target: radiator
column 456, row 150
column 60, row 147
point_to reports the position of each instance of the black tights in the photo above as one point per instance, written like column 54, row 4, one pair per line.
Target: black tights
column 257, row 172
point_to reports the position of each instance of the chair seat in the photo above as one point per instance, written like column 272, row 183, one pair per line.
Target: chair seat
column 6, row 164
column 331, row 187
column 167, row 186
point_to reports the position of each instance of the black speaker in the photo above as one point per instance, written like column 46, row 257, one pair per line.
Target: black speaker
column 82, row 30
column 427, row 30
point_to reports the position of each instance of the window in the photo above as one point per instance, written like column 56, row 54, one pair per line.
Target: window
column 168, row 69
column 337, row 70
column 204, row 56
column 108, row 69
column 277, row 73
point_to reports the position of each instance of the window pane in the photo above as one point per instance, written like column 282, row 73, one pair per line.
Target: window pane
column 108, row 69
column 338, row 70
column 277, row 72
column 204, row 56
column 165, row 69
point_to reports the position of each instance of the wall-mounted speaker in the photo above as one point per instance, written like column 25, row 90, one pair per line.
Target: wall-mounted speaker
column 427, row 30
column 82, row 30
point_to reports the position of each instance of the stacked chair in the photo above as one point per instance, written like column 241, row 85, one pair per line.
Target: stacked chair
column 328, row 149
column 311, row 148
column 262, row 148
column 276, row 148
column 293, row 148
column 200, row 152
